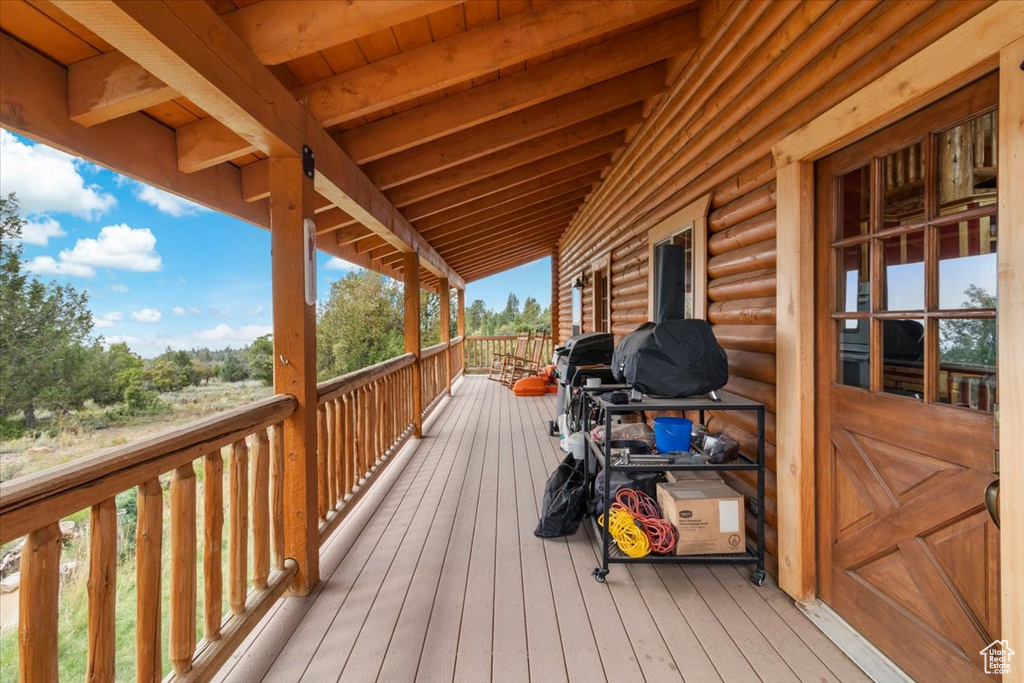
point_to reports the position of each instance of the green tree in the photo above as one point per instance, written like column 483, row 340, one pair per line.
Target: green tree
column 970, row 341
column 360, row 324
column 476, row 317
column 232, row 370
column 261, row 359
column 43, row 329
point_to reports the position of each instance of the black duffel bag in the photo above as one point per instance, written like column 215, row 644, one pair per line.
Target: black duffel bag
column 564, row 500
column 672, row 359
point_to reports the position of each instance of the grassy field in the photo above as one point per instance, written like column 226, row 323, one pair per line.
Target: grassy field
column 85, row 433
column 27, row 455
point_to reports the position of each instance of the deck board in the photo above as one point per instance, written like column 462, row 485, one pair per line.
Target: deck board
column 441, row 579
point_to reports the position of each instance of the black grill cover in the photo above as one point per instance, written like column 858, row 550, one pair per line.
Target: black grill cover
column 673, row 359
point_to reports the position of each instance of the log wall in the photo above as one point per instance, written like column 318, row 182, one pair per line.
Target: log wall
column 763, row 70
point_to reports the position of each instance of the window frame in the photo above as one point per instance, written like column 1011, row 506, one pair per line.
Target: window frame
column 601, row 271
column 693, row 216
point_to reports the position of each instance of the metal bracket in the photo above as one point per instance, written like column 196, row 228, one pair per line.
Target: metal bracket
column 308, row 164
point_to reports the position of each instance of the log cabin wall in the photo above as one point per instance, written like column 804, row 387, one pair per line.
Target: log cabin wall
column 763, row 70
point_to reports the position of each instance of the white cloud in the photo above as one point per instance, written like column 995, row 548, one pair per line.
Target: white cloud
column 335, row 263
column 227, row 334
column 222, row 312
column 178, row 310
column 117, row 246
column 146, row 315
column 254, row 311
column 39, row 229
column 46, row 265
column 47, row 180
column 119, row 288
column 106, row 319
column 165, row 202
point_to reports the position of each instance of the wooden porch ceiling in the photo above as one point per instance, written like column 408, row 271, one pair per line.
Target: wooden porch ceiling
column 468, row 131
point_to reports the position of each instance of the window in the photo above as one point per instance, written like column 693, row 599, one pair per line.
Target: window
column 687, row 229
column 914, row 237
column 601, row 281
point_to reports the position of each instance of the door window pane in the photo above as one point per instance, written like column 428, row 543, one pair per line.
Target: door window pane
column 854, row 353
column 855, row 202
column 853, row 291
column 903, row 261
column 903, row 184
column 967, row 165
column 967, row 264
column 967, row 363
column 903, row 357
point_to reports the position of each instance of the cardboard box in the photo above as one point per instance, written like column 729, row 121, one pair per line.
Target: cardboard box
column 690, row 475
column 708, row 515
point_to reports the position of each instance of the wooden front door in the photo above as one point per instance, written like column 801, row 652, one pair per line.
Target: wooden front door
column 906, row 317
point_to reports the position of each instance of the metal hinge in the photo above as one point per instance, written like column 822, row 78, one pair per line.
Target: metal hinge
column 308, row 164
column 995, row 461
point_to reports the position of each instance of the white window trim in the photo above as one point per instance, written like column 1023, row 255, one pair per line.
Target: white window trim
column 695, row 216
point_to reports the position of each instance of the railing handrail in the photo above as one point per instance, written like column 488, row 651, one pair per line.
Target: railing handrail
column 433, row 350
column 31, row 502
column 457, row 340
column 491, row 337
column 332, row 388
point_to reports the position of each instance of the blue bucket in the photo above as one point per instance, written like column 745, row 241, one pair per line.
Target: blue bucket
column 672, row 434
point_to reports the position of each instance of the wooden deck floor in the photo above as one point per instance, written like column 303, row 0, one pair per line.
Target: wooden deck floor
column 441, row 579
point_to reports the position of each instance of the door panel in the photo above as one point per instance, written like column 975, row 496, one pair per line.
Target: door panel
column 906, row 225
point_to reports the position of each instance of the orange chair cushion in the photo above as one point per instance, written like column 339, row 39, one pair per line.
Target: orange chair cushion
column 530, row 386
column 552, row 388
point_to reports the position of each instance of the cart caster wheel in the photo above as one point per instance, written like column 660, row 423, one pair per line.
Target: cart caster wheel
column 758, row 577
column 599, row 574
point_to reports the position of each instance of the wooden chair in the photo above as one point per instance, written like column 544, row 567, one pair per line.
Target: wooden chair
column 529, row 363
column 500, row 360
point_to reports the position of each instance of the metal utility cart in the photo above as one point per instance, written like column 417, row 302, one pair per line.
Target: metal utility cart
column 610, row 553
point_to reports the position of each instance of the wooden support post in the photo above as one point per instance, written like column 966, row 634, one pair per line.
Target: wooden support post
column 291, row 201
column 411, row 275
column 102, row 591
column 148, row 543
column 446, row 329
column 460, row 315
column 1011, row 347
column 554, row 297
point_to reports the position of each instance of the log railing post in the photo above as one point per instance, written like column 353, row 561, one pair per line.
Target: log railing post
column 446, row 329
column 460, row 322
column 291, row 201
column 182, row 640
column 38, row 605
column 411, row 281
column 148, row 542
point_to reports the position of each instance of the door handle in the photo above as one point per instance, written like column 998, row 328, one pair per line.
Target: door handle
column 992, row 501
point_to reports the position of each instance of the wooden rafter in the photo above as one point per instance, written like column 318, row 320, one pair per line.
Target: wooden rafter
column 481, row 273
column 511, row 232
column 189, row 48
column 447, row 234
column 480, row 51
column 277, row 32
column 517, row 91
column 594, row 155
column 514, row 129
column 518, row 155
column 504, row 208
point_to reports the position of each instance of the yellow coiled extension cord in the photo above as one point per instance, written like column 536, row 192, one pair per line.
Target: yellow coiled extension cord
column 627, row 533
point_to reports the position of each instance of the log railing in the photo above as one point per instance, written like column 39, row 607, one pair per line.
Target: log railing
column 479, row 350
column 434, row 383
column 363, row 419
column 257, row 575
column 456, row 352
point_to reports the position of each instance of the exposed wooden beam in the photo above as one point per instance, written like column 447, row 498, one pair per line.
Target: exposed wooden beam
column 109, row 86
column 581, row 185
column 208, row 142
column 519, row 155
column 517, row 91
column 505, row 260
column 487, row 257
column 256, row 186
column 468, row 55
column 189, row 48
column 281, row 31
column 448, row 234
column 514, row 195
column 487, row 271
column 34, row 103
column 594, row 153
column 511, row 229
column 508, row 131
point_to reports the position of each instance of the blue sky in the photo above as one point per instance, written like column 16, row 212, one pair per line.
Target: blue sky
column 161, row 271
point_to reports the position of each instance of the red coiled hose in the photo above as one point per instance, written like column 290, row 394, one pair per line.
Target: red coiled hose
column 661, row 534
